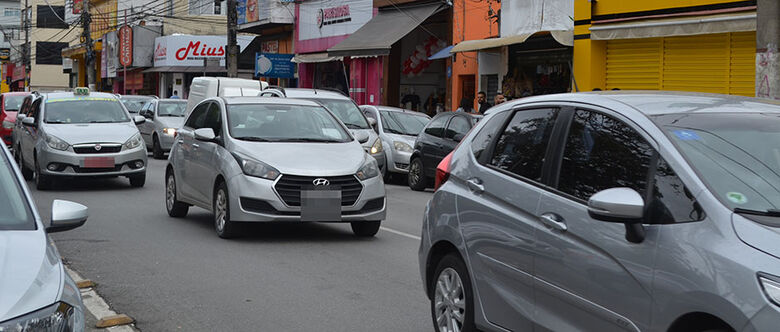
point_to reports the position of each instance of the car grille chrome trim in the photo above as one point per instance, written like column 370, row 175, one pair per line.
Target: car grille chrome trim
column 289, row 187
column 91, row 148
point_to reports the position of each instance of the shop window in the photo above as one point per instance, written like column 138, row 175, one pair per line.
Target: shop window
column 51, row 17
column 49, row 53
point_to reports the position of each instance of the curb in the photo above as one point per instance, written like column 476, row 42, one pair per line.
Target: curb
column 108, row 320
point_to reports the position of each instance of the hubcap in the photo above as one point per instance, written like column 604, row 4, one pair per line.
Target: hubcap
column 170, row 192
column 450, row 301
column 414, row 173
column 221, row 210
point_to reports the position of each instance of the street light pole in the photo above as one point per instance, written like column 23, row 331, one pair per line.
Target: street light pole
column 26, row 60
column 231, row 59
column 89, row 56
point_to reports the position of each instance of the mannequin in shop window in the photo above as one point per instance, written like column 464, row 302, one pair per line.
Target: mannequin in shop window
column 412, row 99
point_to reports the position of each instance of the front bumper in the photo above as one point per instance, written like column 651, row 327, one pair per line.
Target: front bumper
column 765, row 320
column 255, row 200
column 381, row 160
column 398, row 161
column 72, row 164
column 166, row 141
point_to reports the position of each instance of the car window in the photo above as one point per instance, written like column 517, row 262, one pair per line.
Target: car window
column 25, row 105
column 671, row 202
column 284, row 123
column 369, row 114
column 35, row 110
column 458, row 125
column 15, row 212
column 486, row 134
column 175, row 109
column 84, row 110
column 346, row 111
column 522, row 146
column 436, row 126
column 13, row 103
column 403, row 123
column 602, row 153
column 197, row 118
column 214, row 119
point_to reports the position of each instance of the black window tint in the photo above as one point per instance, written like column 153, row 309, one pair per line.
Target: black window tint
column 672, row 202
column 485, row 135
column 49, row 53
column 214, row 119
column 198, row 117
column 51, row 17
column 522, row 146
column 436, row 127
column 603, row 153
column 458, row 125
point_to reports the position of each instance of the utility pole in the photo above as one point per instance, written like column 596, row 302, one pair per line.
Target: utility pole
column 89, row 56
column 767, row 48
column 231, row 56
column 26, row 49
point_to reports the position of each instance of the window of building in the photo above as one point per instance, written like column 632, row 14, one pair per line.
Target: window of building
column 206, row 7
column 51, row 17
column 11, row 12
column 49, row 53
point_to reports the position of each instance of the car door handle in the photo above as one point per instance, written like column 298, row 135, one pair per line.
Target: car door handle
column 181, row 141
column 553, row 221
column 195, row 146
column 475, row 185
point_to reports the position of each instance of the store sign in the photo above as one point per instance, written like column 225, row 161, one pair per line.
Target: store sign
column 274, row 65
column 126, row 46
column 271, row 46
column 188, row 50
column 320, row 19
column 333, row 15
column 5, row 54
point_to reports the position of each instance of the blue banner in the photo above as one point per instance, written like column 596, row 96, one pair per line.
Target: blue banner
column 274, row 65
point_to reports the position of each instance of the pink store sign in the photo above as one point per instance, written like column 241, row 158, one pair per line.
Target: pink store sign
column 321, row 24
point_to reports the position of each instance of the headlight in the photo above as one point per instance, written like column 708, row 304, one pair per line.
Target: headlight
column 401, row 146
column 368, row 170
column 56, row 317
column 169, row 131
column 256, row 168
column 377, row 147
column 134, row 142
column 56, row 143
column 771, row 288
column 8, row 124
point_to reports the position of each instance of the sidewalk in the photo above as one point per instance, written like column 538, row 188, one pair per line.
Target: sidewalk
column 97, row 308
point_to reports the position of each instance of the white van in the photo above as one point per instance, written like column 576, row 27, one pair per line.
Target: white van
column 207, row 87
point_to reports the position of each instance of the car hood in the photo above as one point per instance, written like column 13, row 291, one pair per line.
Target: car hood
column 30, row 273
column 170, row 121
column 762, row 233
column 307, row 159
column 93, row 132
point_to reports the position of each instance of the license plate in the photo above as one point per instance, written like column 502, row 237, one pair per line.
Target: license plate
column 321, row 205
column 98, row 162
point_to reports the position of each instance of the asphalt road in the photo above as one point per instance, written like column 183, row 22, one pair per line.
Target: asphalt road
column 177, row 275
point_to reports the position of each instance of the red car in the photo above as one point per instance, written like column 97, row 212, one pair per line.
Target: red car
column 9, row 106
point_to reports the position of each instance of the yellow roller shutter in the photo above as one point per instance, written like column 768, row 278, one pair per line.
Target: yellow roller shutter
column 634, row 64
column 743, row 64
column 697, row 63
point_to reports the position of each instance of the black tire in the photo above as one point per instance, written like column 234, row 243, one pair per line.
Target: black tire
column 450, row 263
column 416, row 177
column 27, row 173
column 174, row 207
column 227, row 229
column 42, row 182
column 137, row 181
column 157, row 151
column 365, row 228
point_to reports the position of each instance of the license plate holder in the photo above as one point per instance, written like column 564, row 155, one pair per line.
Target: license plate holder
column 321, row 205
column 98, row 162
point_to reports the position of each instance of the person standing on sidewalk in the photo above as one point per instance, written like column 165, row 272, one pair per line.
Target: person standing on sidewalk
column 482, row 102
column 175, row 95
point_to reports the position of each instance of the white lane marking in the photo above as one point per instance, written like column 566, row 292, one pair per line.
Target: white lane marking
column 414, row 237
column 96, row 305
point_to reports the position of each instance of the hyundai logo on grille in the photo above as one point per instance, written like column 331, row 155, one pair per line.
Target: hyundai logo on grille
column 321, row 182
column 98, row 147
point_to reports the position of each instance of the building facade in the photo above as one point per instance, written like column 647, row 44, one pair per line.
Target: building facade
column 49, row 33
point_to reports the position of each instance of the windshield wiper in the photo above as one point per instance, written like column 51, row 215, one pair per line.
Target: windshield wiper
column 254, row 139
column 768, row 212
column 102, row 121
column 313, row 140
column 353, row 126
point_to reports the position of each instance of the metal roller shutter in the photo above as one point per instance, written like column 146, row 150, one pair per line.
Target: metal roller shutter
column 634, row 64
column 743, row 64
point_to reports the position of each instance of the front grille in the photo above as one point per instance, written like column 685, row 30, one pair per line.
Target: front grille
column 401, row 166
column 289, row 188
column 90, row 148
column 82, row 170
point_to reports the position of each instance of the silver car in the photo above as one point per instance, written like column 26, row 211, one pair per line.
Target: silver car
column 163, row 118
column 398, row 129
column 255, row 159
column 36, row 292
column 67, row 134
column 134, row 103
column 609, row 212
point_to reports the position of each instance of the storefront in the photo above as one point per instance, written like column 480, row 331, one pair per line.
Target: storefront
column 127, row 52
column 273, row 23
column 538, row 66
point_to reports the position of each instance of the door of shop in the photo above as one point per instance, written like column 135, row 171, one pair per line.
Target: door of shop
column 468, row 87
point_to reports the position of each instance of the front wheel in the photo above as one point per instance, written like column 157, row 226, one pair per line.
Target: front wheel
column 225, row 228
column 137, row 181
column 452, row 305
column 365, row 228
column 175, row 208
column 417, row 180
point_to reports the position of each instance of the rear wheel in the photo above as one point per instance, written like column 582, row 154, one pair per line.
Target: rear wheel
column 157, row 151
column 42, row 181
column 225, row 228
column 175, row 208
column 365, row 228
column 417, row 180
column 452, row 305
column 137, row 181
column 26, row 171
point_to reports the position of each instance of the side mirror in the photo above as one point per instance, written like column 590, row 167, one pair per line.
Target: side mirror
column 458, row 137
column 621, row 205
column 361, row 137
column 205, row 134
column 139, row 119
column 66, row 215
column 371, row 121
column 30, row 122
column 20, row 117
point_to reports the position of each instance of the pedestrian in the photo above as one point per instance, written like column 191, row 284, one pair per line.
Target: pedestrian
column 498, row 99
column 482, row 102
column 465, row 105
column 175, row 95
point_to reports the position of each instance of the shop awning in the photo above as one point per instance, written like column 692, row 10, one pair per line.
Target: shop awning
column 443, row 54
column 380, row 33
column 678, row 26
column 562, row 37
column 315, row 58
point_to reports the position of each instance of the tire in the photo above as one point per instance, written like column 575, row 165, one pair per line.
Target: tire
column 174, row 207
column 416, row 177
column 27, row 173
column 137, row 181
column 460, row 300
column 157, row 151
column 42, row 182
column 365, row 228
column 225, row 228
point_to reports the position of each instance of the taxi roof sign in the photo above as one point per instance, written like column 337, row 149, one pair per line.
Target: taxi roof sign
column 81, row 91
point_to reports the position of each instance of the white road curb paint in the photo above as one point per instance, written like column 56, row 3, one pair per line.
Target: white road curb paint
column 414, row 237
column 96, row 305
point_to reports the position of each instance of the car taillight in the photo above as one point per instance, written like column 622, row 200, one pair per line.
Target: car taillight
column 443, row 170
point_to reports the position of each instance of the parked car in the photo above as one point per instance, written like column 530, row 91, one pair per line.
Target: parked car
column 609, row 212
column 10, row 102
column 133, row 103
column 250, row 159
column 345, row 110
column 37, row 293
column 442, row 134
column 163, row 118
column 202, row 88
column 398, row 128
column 80, row 134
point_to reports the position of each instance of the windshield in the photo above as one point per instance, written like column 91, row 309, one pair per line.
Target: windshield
column 736, row 155
column 134, row 104
column 347, row 112
column 84, row 110
column 13, row 103
column 403, row 123
column 14, row 211
column 284, row 123
column 168, row 108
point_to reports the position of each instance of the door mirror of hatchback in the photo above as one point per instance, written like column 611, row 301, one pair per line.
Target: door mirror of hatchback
column 371, row 121
column 66, row 215
column 30, row 122
column 20, row 117
column 361, row 137
column 458, row 137
column 205, row 134
column 139, row 119
column 621, row 205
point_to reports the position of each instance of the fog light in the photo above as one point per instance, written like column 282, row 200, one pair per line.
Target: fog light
column 52, row 167
column 139, row 164
column 55, row 167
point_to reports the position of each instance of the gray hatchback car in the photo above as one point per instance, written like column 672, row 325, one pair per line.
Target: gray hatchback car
column 163, row 118
column 615, row 211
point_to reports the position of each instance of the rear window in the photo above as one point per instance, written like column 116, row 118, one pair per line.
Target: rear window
column 84, row 110
column 13, row 103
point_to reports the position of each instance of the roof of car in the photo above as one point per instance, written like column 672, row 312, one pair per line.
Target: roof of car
column 16, row 93
column 175, row 100
column 669, row 102
column 309, row 93
column 268, row 101
column 396, row 109
column 70, row 94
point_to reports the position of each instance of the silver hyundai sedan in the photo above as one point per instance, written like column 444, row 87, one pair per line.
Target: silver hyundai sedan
column 256, row 159
column 80, row 134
